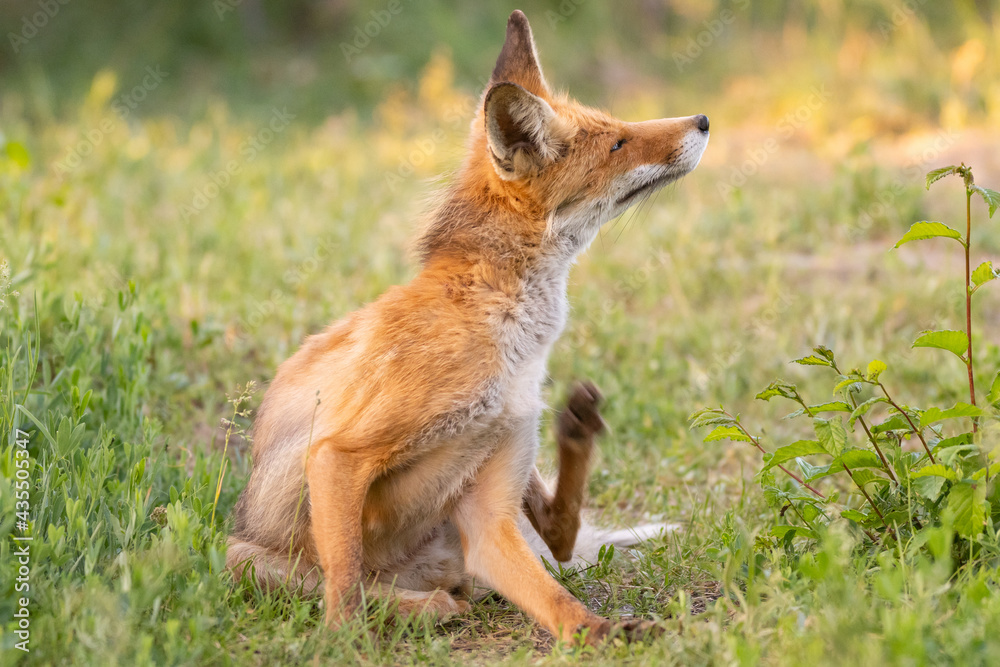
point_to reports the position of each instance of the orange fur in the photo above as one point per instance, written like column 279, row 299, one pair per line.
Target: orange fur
column 414, row 467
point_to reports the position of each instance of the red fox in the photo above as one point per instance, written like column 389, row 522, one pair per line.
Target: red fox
column 395, row 451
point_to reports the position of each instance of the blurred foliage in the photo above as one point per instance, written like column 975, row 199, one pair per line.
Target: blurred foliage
column 326, row 55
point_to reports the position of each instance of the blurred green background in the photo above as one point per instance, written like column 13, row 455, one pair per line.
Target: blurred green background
column 256, row 53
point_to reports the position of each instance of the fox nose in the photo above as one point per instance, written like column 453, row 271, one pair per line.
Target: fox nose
column 702, row 122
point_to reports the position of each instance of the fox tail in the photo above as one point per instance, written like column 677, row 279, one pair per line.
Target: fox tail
column 591, row 538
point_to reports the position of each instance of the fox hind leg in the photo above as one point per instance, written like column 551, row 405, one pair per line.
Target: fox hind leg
column 273, row 569
column 437, row 603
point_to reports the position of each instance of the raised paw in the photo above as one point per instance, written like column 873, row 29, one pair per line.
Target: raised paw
column 581, row 419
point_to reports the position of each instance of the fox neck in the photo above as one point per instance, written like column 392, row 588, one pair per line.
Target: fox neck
column 514, row 260
column 495, row 226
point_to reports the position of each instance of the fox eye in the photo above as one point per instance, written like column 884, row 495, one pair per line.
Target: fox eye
column 618, row 144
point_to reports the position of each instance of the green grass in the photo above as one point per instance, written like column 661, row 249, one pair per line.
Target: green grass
column 136, row 318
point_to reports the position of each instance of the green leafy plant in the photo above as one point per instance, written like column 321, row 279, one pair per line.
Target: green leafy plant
column 900, row 469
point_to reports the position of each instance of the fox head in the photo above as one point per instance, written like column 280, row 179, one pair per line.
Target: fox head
column 561, row 167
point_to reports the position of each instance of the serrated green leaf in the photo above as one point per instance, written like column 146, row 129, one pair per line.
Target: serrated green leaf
column 956, row 342
column 831, row 434
column 704, row 411
column 991, row 197
column 777, row 388
column 863, row 408
column 781, row 531
column 853, row 515
column 772, row 496
column 824, row 471
column 793, row 451
column 994, row 395
column 809, row 470
column 800, row 496
column 860, row 458
column 936, row 470
column 932, row 415
column 812, row 360
column 726, row 433
column 938, row 174
column 952, row 442
column 825, row 353
column 994, row 469
column 875, row 369
column 848, row 382
column 809, row 512
column 764, row 478
column 955, row 456
column 983, row 274
column 832, row 406
column 865, row 476
column 897, row 518
column 967, row 507
column 929, row 230
column 893, row 423
column 928, row 488
column 855, row 459
column 710, row 417
column 713, row 421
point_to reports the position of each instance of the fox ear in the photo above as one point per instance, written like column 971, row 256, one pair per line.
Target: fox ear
column 518, row 61
column 523, row 133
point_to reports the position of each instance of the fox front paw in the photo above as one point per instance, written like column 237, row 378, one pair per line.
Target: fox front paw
column 581, row 418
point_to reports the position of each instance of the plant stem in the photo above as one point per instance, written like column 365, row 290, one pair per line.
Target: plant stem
column 910, row 421
column 756, row 443
column 871, row 537
column 871, row 437
column 869, row 498
column 803, row 404
column 868, row 432
column 225, row 460
column 968, row 303
column 799, row 514
column 795, row 477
